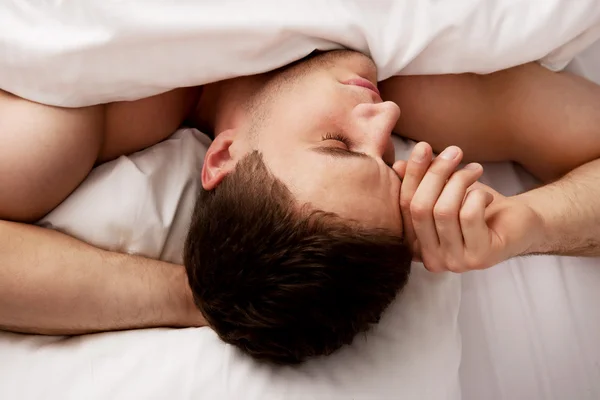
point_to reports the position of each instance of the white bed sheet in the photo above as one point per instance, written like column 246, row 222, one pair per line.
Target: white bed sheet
column 530, row 326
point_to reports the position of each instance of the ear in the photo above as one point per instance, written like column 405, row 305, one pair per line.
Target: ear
column 219, row 160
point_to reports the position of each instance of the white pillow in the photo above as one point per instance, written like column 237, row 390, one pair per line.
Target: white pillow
column 76, row 53
column 142, row 204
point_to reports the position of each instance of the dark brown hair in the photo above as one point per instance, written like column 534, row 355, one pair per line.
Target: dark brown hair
column 284, row 282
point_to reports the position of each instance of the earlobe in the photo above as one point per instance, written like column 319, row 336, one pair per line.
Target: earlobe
column 219, row 161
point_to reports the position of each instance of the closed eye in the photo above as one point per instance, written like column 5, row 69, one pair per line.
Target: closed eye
column 339, row 138
column 339, row 152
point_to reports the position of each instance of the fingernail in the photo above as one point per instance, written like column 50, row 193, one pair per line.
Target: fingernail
column 472, row 166
column 450, row 153
column 419, row 153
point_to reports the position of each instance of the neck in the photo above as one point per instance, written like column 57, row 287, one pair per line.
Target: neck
column 224, row 105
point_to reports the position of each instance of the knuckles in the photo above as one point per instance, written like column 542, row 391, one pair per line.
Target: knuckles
column 405, row 203
column 420, row 211
column 469, row 215
column 444, row 213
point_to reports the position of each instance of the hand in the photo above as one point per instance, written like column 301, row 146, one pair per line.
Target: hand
column 454, row 223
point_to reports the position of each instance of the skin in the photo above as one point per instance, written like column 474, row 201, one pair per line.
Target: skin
column 51, row 283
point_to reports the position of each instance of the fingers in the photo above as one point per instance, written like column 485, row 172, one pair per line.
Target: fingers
column 412, row 173
column 444, row 211
column 427, row 194
column 448, row 206
column 414, row 170
column 433, row 205
column 472, row 220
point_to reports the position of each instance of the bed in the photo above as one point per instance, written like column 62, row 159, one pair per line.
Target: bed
column 526, row 329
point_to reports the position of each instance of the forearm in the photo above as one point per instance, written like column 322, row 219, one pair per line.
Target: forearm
column 570, row 211
column 53, row 284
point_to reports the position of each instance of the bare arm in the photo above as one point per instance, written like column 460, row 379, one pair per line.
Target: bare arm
column 570, row 213
column 45, row 153
column 53, row 284
column 546, row 121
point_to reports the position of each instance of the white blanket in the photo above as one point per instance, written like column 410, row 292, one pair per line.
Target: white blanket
column 76, row 53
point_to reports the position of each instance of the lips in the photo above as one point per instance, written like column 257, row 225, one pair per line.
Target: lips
column 365, row 83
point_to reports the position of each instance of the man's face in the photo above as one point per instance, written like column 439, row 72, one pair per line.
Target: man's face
column 327, row 136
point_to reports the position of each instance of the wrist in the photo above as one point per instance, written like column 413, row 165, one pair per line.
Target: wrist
column 189, row 314
column 169, row 301
column 537, row 229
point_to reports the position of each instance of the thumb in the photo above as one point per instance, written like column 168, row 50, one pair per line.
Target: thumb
column 489, row 193
column 400, row 168
column 485, row 188
column 489, row 197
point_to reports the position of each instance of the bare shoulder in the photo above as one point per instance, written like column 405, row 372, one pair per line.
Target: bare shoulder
column 544, row 120
column 134, row 125
column 448, row 110
column 45, row 153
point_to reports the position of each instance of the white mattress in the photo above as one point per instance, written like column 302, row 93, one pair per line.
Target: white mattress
column 529, row 327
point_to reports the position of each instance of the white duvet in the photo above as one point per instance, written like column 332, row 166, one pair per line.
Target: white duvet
column 76, row 53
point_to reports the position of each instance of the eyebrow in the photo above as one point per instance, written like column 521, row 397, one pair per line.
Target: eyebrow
column 338, row 152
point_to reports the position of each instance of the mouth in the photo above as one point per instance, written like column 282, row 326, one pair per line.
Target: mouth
column 364, row 83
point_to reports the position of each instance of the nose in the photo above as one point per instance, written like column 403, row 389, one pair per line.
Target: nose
column 374, row 124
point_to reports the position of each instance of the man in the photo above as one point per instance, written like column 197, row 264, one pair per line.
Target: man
column 263, row 260
column 319, row 133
